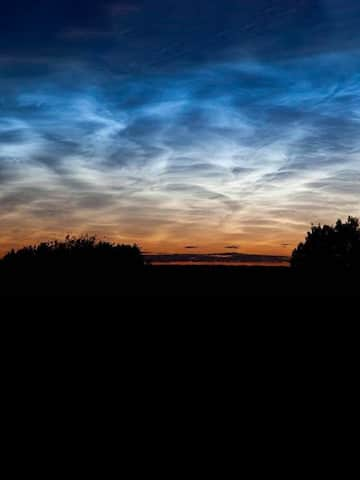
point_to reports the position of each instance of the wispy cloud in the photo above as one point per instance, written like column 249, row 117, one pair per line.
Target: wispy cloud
column 156, row 140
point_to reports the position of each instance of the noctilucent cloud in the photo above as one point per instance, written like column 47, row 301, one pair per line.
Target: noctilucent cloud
column 173, row 123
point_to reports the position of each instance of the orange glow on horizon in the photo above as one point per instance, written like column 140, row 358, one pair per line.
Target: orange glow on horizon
column 196, row 246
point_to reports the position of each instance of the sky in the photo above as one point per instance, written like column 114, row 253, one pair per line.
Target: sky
column 202, row 124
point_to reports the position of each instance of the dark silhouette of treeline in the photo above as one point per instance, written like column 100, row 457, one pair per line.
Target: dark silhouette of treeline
column 84, row 252
column 77, row 265
column 326, row 263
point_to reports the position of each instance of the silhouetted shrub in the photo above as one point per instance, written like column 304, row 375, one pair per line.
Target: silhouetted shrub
column 77, row 264
column 330, row 248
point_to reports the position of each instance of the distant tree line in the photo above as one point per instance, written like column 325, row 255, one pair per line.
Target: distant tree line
column 75, row 264
column 75, row 252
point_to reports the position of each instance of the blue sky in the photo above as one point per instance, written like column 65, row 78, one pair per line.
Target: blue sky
column 169, row 123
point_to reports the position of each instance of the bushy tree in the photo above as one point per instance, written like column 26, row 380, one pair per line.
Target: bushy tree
column 330, row 247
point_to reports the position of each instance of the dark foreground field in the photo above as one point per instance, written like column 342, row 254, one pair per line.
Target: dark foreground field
column 183, row 280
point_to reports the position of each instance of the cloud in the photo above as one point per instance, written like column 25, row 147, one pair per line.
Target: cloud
column 215, row 258
column 171, row 138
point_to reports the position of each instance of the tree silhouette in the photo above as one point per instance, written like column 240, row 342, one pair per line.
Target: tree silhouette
column 85, row 250
column 330, row 247
column 76, row 264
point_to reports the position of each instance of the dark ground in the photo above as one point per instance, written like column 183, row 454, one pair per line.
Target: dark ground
column 183, row 280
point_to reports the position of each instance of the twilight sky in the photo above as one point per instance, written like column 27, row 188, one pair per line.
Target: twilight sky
column 174, row 123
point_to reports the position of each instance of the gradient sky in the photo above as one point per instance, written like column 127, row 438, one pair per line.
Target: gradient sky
column 202, row 123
